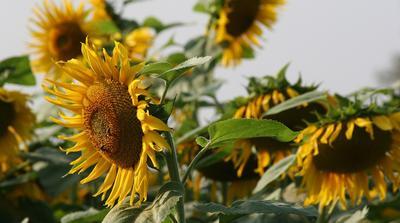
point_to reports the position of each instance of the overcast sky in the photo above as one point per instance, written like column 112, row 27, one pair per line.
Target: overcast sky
column 339, row 43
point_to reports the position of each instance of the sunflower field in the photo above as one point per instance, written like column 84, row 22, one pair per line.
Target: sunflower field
column 116, row 133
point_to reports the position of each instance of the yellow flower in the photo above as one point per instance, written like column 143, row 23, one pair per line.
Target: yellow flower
column 224, row 172
column 58, row 35
column 270, row 150
column 138, row 42
column 99, row 10
column 16, row 122
column 338, row 159
column 110, row 103
column 240, row 24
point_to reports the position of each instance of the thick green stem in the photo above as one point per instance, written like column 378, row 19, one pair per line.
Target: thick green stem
column 173, row 169
column 194, row 162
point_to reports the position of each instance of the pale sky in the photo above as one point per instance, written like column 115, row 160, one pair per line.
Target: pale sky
column 339, row 43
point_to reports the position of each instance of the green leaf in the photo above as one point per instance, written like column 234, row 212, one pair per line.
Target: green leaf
column 156, row 24
column 20, row 179
column 202, row 141
column 176, row 58
column 274, row 172
column 240, row 208
column 248, row 53
column 87, row 216
column 124, row 213
column 174, row 73
column 295, row 102
column 156, row 68
column 192, row 134
column 226, row 131
column 16, row 70
column 104, row 27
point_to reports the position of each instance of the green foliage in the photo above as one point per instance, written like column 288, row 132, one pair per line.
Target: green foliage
column 104, row 27
column 16, row 70
column 158, row 211
column 226, row 131
column 239, row 209
column 274, row 172
column 89, row 216
column 157, row 25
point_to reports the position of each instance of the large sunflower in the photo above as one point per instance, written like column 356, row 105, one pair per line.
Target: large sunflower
column 265, row 96
column 16, row 122
column 240, row 24
column 338, row 158
column 117, row 134
column 57, row 36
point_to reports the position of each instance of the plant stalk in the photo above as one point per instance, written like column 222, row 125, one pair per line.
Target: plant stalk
column 173, row 169
column 194, row 162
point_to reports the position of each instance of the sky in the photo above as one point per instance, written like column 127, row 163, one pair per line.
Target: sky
column 341, row 44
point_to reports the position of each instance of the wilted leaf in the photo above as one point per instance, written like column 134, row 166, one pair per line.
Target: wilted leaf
column 274, row 172
column 16, row 70
column 228, row 130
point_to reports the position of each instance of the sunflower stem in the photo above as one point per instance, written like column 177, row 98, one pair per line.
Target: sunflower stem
column 194, row 162
column 173, row 169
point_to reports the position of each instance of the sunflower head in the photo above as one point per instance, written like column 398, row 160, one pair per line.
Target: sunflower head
column 265, row 93
column 16, row 123
column 239, row 26
column 57, row 36
column 109, row 103
column 339, row 153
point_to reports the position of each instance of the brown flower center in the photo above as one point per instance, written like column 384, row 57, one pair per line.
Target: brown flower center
column 226, row 171
column 357, row 154
column 65, row 41
column 242, row 15
column 7, row 115
column 112, row 125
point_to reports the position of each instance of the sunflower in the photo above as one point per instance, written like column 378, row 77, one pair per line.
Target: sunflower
column 240, row 24
column 57, row 36
column 265, row 96
column 110, row 103
column 223, row 172
column 338, row 158
column 138, row 42
column 16, row 122
column 99, row 10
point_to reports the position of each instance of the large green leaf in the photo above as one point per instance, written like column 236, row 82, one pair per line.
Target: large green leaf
column 274, row 172
column 168, row 196
column 88, row 216
column 229, row 130
column 241, row 208
column 295, row 102
column 16, row 70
